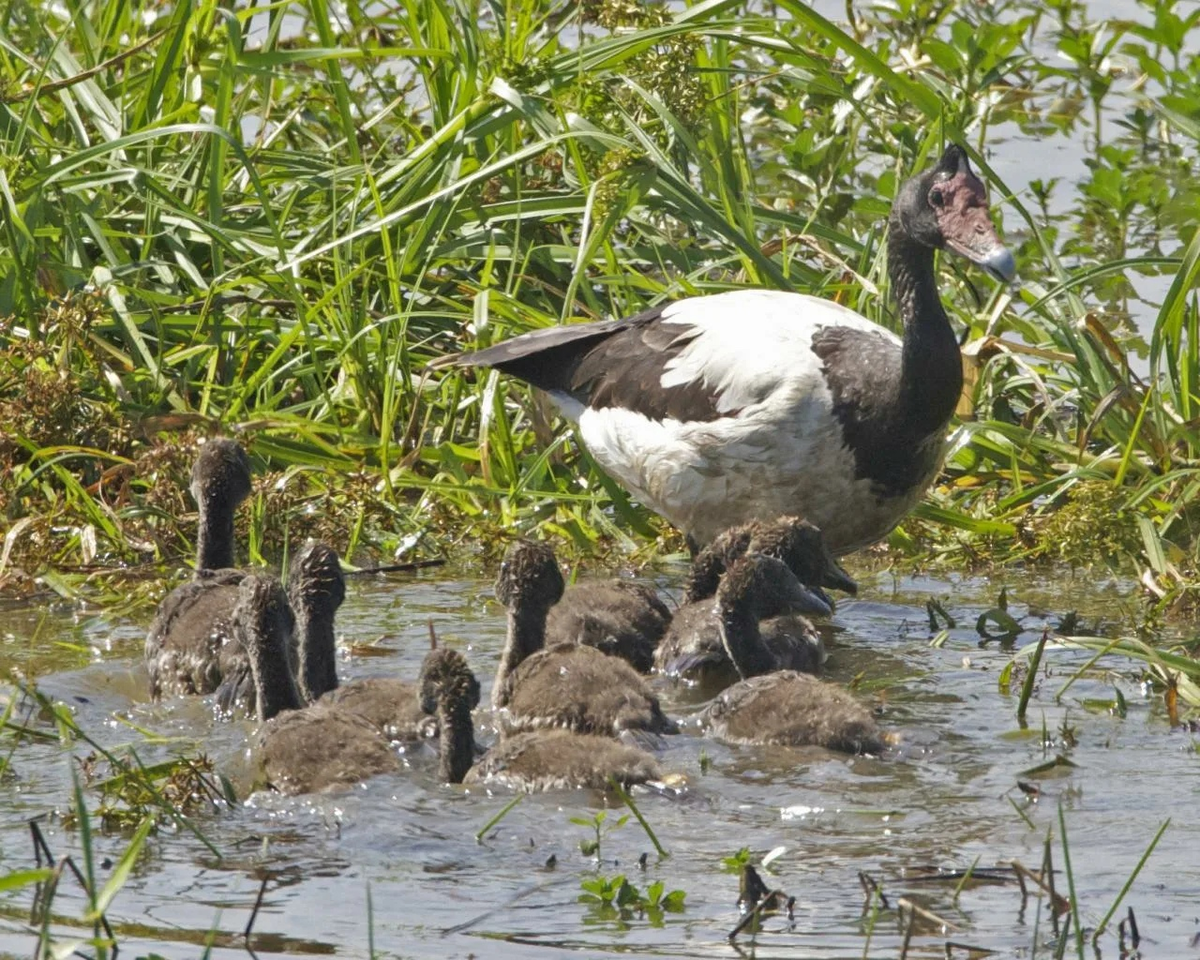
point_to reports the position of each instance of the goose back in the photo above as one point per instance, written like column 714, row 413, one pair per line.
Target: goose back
column 617, row 617
column 787, row 708
column 567, row 685
column 531, row 761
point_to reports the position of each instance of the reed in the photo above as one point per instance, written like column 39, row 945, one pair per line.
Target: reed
column 213, row 222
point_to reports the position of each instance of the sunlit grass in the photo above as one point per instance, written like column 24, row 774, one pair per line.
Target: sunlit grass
column 270, row 223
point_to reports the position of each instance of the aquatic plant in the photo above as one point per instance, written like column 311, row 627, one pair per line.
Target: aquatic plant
column 614, row 897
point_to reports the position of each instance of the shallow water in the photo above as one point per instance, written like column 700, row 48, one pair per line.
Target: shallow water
column 946, row 797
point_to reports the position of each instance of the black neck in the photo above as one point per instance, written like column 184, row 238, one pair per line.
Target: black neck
column 456, row 734
column 214, row 543
column 273, row 681
column 741, row 638
column 318, row 654
column 931, row 368
column 526, row 635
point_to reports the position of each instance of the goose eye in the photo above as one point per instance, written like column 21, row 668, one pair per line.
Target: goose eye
column 936, row 197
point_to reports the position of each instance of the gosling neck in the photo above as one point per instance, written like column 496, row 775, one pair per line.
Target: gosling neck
column 318, row 653
column 273, row 681
column 737, row 622
column 526, row 636
column 705, row 575
column 457, row 735
column 214, row 541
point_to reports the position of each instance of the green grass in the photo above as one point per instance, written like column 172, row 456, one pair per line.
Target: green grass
column 270, row 223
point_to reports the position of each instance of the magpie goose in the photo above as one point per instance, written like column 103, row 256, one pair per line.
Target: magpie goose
column 531, row 761
column 750, row 404
column 186, row 644
column 566, row 685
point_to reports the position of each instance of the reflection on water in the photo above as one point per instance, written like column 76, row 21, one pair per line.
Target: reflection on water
column 947, row 797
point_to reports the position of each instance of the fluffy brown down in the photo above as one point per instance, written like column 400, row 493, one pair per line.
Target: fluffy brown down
column 306, row 751
column 794, row 709
column 581, row 689
column 561, row 760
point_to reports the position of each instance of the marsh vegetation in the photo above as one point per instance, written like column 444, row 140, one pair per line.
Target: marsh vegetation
column 267, row 221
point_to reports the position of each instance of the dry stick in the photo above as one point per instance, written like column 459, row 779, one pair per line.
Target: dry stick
column 408, row 567
column 916, row 910
column 1059, row 904
column 871, row 887
column 1048, row 875
column 908, row 927
column 971, row 949
column 1134, row 937
column 987, row 874
column 40, row 849
column 755, row 913
column 51, row 887
column 1016, row 869
column 262, row 889
column 54, row 85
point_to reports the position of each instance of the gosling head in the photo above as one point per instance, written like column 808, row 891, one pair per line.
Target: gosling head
column 221, row 474
column 801, row 546
column 529, row 573
column 768, row 586
column 315, row 580
column 447, row 679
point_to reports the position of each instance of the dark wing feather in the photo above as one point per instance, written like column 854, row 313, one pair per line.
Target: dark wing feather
column 608, row 363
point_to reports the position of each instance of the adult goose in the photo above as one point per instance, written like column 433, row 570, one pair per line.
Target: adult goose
column 299, row 748
column 531, row 761
column 186, row 645
column 777, row 701
column 565, row 685
column 691, row 648
column 751, row 404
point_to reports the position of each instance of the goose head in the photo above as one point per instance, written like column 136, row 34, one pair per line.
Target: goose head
column 801, row 546
column 529, row 584
column 450, row 691
column 529, row 575
column 946, row 208
column 754, row 587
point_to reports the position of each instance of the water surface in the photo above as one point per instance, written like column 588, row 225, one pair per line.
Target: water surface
column 946, row 797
